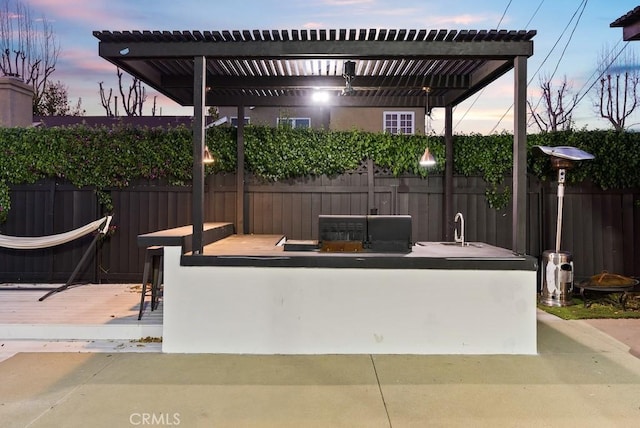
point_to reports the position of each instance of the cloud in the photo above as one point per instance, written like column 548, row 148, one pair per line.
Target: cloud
column 412, row 12
column 81, row 12
column 349, row 2
column 622, row 68
column 313, row 25
column 460, row 20
column 85, row 60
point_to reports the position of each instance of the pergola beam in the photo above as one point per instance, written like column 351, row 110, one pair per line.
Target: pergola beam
column 316, row 49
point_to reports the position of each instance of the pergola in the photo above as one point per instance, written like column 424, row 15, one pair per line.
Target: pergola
column 392, row 68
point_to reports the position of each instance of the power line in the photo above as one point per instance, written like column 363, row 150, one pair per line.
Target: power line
column 604, row 70
column 504, row 13
column 499, row 23
column 561, row 55
column 582, row 5
column 535, row 12
column 569, row 40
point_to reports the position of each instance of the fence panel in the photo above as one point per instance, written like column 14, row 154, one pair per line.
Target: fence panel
column 46, row 208
column 140, row 209
column 600, row 228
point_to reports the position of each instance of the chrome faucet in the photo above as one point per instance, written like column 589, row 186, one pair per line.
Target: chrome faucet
column 459, row 238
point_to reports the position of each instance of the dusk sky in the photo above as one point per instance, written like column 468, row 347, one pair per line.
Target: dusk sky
column 571, row 36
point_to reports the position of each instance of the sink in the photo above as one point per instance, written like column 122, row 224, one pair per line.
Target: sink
column 458, row 244
column 451, row 244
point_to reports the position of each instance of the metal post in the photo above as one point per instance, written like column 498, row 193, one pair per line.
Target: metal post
column 448, row 174
column 519, row 231
column 561, row 179
column 241, row 220
column 199, row 75
column 371, row 203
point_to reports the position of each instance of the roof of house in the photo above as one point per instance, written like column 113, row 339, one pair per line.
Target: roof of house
column 96, row 121
column 630, row 23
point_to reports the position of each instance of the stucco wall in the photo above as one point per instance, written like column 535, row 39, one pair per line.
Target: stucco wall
column 369, row 118
column 268, row 116
column 15, row 103
column 336, row 118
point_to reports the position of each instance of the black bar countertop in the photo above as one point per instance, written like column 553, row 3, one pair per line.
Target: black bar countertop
column 268, row 251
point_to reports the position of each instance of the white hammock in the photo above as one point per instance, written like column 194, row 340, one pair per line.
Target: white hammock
column 32, row 243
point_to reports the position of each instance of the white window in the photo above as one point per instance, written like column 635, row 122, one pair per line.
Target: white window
column 295, row 122
column 234, row 121
column 399, row 122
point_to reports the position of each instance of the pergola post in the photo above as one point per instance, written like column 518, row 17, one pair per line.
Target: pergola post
column 240, row 208
column 199, row 73
column 520, row 156
column 448, row 173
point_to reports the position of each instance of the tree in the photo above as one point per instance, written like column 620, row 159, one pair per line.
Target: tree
column 55, row 102
column 557, row 106
column 28, row 47
column 136, row 96
column 132, row 102
column 213, row 112
column 617, row 90
column 106, row 99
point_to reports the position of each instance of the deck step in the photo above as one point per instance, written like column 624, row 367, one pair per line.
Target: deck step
column 82, row 312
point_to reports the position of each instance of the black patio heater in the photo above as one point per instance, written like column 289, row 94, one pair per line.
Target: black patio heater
column 556, row 276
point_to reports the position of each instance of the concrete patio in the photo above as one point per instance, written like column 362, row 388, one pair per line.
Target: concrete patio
column 584, row 375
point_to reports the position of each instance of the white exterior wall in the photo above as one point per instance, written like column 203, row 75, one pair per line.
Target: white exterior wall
column 269, row 310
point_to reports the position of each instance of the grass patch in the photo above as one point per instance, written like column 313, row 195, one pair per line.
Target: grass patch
column 606, row 306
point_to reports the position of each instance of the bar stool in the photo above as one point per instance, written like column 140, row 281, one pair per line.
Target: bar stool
column 153, row 263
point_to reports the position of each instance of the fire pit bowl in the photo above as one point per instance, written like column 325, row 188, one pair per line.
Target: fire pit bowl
column 607, row 283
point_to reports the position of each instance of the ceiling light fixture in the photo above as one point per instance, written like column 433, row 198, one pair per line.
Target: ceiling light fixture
column 320, row 97
column 349, row 73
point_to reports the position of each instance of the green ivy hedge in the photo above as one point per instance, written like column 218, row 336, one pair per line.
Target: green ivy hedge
column 113, row 157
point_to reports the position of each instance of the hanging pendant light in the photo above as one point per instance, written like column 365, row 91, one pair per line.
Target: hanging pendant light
column 207, row 157
column 427, row 160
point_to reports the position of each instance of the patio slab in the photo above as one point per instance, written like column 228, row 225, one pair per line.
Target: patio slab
column 581, row 377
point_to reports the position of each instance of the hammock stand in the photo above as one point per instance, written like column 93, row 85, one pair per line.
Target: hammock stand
column 30, row 243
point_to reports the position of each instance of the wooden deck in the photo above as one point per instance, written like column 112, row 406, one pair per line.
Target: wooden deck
column 82, row 312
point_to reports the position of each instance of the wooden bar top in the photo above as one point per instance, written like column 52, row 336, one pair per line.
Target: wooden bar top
column 182, row 236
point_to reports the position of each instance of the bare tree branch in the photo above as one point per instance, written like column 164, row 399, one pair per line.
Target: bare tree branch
column 617, row 94
column 29, row 49
column 554, row 111
column 133, row 101
column 106, row 100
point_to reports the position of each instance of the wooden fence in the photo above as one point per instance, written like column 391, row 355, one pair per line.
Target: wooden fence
column 601, row 228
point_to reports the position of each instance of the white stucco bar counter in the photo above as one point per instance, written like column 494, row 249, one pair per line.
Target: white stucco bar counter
column 246, row 295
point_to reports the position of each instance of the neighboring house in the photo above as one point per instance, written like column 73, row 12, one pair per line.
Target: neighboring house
column 371, row 119
column 630, row 24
